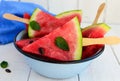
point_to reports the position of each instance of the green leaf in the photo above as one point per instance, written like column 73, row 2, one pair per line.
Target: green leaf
column 34, row 25
column 4, row 64
column 61, row 43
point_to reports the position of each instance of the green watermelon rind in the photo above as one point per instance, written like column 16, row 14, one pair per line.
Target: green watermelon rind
column 78, row 52
column 104, row 26
column 33, row 17
column 66, row 13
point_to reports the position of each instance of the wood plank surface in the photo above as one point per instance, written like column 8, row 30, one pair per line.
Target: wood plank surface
column 103, row 68
column 58, row 6
column 19, row 69
column 36, row 77
column 89, row 8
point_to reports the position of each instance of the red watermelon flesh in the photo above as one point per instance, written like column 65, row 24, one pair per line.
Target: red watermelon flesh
column 94, row 31
column 48, row 22
column 25, row 42
column 26, row 16
column 70, row 32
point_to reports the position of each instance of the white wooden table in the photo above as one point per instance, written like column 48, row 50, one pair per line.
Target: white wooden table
column 104, row 68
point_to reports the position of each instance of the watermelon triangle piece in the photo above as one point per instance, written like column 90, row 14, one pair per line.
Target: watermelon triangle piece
column 48, row 22
column 93, row 31
column 46, row 45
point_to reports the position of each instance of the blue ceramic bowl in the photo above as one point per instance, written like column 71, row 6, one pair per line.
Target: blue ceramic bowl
column 55, row 69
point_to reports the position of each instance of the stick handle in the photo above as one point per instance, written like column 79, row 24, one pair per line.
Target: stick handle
column 100, row 9
column 106, row 40
column 16, row 18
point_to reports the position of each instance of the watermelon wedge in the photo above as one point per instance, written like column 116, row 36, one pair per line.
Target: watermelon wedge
column 48, row 22
column 47, row 46
column 93, row 31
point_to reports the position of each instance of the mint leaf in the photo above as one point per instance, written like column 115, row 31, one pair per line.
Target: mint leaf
column 34, row 25
column 4, row 64
column 61, row 43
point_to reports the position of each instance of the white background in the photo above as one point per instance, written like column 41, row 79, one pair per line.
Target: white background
column 110, row 15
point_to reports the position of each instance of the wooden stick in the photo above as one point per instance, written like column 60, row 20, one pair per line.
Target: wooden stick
column 16, row 18
column 111, row 40
column 100, row 9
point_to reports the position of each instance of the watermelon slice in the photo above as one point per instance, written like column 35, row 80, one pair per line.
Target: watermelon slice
column 48, row 22
column 93, row 31
column 47, row 46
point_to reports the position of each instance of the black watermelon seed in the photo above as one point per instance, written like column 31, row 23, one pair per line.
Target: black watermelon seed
column 41, row 50
column 31, row 41
column 8, row 70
